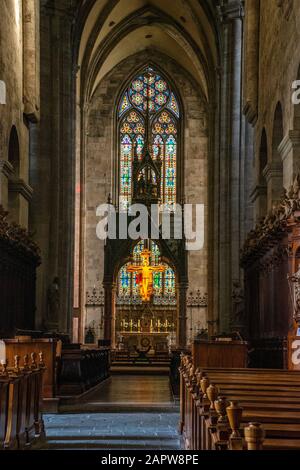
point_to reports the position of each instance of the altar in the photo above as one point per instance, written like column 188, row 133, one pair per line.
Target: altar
column 143, row 341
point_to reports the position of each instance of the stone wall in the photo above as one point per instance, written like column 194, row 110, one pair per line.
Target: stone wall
column 19, row 44
column 278, row 52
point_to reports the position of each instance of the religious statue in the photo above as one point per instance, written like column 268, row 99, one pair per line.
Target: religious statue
column 141, row 185
column 294, row 283
column 238, row 303
column 145, row 275
column 53, row 301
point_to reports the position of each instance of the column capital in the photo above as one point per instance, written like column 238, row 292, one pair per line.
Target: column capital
column 19, row 186
column 6, row 168
column 257, row 191
column 272, row 170
column 231, row 11
column 290, row 141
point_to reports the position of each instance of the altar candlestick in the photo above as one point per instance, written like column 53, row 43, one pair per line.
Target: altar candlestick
column 131, row 325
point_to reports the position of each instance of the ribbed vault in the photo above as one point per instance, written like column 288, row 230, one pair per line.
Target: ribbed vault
column 109, row 31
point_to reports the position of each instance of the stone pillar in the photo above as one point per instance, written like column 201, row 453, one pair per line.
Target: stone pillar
column 251, row 62
column 259, row 199
column 289, row 150
column 232, row 177
column 181, row 289
column 273, row 175
column 236, row 129
column 20, row 194
column 54, row 199
column 30, row 61
column 6, row 171
column 110, row 312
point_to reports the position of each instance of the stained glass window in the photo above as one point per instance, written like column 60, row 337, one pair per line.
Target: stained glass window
column 149, row 94
column 163, row 283
column 132, row 132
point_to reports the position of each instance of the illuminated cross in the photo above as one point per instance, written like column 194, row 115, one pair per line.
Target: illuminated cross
column 145, row 275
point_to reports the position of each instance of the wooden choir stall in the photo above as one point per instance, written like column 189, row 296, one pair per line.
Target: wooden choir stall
column 223, row 404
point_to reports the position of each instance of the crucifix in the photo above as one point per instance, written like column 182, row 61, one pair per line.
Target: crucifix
column 145, row 275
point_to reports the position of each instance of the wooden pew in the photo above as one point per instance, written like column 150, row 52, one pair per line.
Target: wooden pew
column 4, row 390
column 202, row 425
column 21, row 346
column 21, row 422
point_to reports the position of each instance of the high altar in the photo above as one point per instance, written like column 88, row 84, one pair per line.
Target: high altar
column 139, row 328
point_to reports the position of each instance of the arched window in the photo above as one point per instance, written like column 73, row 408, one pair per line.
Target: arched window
column 163, row 283
column 149, row 100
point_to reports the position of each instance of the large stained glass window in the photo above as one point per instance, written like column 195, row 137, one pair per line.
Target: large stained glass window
column 148, row 98
column 163, row 283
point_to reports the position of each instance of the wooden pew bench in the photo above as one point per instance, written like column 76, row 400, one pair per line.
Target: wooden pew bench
column 21, row 422
column 258, row 394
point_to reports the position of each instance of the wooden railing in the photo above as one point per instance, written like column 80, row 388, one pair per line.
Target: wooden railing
column 21, row 422
column 221, row 409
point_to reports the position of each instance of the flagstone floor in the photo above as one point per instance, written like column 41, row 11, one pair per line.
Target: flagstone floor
column 127, row 412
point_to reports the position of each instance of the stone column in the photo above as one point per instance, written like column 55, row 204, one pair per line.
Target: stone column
column 289, row 149
column 232, row 177
column 54, row 199
column 273, row 175
column 110, row 312
column 258, row 197
column 30, row 60
column 251, row 62
column 181, row 289
column 20, row 195
column 6, row 171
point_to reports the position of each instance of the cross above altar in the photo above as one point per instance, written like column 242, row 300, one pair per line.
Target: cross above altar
column 145, row 275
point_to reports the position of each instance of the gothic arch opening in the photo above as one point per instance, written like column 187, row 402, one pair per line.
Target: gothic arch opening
column 138, row 324
column 163, row 118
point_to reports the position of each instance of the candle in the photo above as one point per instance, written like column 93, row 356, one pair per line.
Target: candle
column 151, row 326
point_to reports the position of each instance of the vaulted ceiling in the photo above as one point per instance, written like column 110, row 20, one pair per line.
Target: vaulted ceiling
column 108, row 31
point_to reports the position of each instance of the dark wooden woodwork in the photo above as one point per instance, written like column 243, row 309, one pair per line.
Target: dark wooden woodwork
column 82, row 369
column 21, row 420
column 4, row 390
column 266, row 396
column 19, row 259
column 269, row 256
column 208, row 353
column 46, row 346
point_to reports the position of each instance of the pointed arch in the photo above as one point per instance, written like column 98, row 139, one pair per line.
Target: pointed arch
column 148, row 91
column 163, row 283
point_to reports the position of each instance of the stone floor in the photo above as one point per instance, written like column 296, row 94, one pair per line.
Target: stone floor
column 126, row 412
column 110, row 431
column 127, row 392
